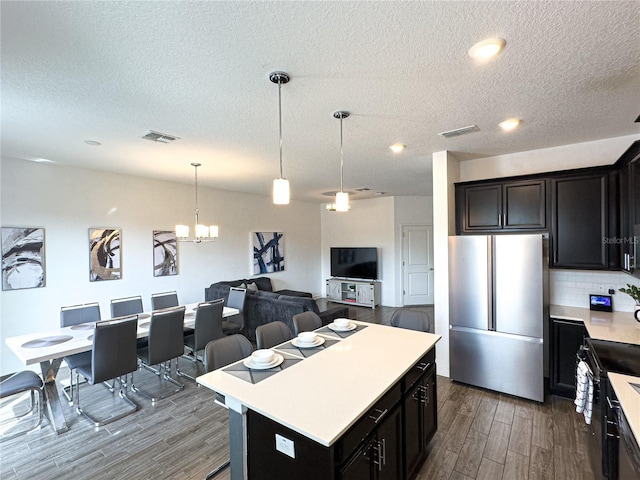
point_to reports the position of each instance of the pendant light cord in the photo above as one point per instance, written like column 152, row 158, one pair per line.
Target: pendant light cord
column 280, row 117
column 341, row 155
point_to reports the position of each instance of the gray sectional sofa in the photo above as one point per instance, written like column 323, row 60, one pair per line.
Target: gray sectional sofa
column 264, row 305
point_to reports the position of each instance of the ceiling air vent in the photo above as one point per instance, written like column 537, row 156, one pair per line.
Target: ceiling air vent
column 159, row 137
column 459, row 131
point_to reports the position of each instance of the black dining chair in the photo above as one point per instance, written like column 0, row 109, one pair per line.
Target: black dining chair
column 208, row 327
column 166, row 342
column 236, row 299
column 71, row 316
column 121, row 307
column 306, row 322
column 272, row 333
column 22, row 382
column 220, row 353
column 410, row 319
column 113, row 356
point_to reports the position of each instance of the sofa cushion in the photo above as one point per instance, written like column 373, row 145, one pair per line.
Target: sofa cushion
column 263, row 283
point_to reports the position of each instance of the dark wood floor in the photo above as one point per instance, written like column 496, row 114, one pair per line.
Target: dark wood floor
column 481, row 435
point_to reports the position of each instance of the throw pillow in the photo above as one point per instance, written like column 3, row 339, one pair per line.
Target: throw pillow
column 252, row 286
column 242, row 285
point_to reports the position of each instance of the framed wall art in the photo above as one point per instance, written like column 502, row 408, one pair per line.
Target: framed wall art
column 22, row 258
column 268, row 252
column 165, row 253
column 105, row 250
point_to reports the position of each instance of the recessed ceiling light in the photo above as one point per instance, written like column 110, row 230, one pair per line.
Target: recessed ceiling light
column 509, row 124
column 93, row 143
column 42, row 160
column 487, row 48
column 397, row 147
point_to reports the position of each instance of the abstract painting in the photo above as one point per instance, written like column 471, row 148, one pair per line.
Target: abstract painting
column 268, row 252
column 22, row 258
column 104, row 248
column 165, row 253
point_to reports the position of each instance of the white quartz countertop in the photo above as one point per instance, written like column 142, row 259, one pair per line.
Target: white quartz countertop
column 629, row 400
column 609, row 326
column 323, row 395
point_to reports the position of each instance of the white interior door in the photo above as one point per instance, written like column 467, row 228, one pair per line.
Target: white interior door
column 417, row 264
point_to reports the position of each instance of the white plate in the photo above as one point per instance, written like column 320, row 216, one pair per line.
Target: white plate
column 277, row 360
column 352, row 326
column 317, row 342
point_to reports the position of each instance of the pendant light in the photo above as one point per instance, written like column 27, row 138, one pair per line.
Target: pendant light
column 281, row 184
column 342, row 197
column 203, row 233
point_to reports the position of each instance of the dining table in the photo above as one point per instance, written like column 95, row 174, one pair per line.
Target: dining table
column 49, row 347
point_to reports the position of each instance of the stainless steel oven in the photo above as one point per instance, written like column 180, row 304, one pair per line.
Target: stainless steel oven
column 603, row 357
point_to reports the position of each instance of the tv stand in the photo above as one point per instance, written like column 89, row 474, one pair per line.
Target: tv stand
column 364, row 293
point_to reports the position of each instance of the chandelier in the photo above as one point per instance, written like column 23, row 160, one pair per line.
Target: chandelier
column 203, row 233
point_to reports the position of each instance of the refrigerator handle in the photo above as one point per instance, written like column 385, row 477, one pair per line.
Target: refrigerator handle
column 491, row 314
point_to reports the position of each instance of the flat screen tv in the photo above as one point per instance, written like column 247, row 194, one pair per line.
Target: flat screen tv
column 354, row 262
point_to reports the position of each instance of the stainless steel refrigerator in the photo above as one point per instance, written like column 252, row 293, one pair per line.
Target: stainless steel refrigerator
column 498, row 303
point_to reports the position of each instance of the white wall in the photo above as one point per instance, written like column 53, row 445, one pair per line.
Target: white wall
column 369, row 223
column 446, row 171
column 565, row 157
column 408, row 211
column 67, row 202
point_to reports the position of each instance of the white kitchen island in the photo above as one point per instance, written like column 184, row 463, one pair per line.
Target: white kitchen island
column 318, row 400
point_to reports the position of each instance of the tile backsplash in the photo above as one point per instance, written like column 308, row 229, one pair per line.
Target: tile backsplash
column 572, row 287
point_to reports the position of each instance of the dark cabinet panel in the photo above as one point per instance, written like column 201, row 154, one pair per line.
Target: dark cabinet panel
column 524, row 205
column 566, row 339
column 580, row 223
column 498, row 207
column 420, row 421
column 483, row 208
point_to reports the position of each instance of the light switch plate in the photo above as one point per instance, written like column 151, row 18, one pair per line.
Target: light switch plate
column 285, row 446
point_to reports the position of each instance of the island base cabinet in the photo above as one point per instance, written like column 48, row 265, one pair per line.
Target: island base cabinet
column 310, row 460
column 380, row 458
column 420, row 421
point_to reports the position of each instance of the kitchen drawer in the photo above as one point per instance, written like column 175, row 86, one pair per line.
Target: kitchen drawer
column 367, row 423
column 418, row 370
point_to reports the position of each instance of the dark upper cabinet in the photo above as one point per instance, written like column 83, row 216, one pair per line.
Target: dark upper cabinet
column 629, row 211
column 499, row 207
column 582, row 221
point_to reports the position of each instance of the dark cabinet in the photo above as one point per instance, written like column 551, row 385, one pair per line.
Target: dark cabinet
column 420, row 418
column 629, row 211
column 374, row 448
column 581, row 221
column 566, row 337
column 505, row 206
column 380, row 458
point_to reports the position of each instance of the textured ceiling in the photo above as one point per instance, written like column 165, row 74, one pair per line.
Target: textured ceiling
column 110, row 71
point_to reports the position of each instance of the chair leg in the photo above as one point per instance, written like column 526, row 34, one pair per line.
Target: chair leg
column 33, row 404
column 150, row 396
column 193, row 358
column 99, row 422
column 217, row 470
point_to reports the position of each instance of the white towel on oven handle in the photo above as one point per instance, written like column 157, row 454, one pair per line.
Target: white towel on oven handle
column 584, row 391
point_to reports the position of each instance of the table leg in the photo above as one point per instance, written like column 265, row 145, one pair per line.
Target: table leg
column 237, row 439
column 53, row 408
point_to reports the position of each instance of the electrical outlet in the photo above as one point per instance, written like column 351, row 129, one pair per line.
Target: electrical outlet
column 285, row 446
column 611, row 289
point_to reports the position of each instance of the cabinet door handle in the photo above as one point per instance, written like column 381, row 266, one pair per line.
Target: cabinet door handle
column 500, row 220
column 423, row 366
column 382, row 413
column 384, row 453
